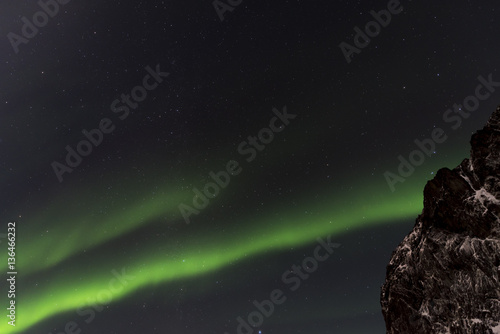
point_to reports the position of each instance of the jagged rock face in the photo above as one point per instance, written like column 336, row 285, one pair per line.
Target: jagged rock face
column 444, row 276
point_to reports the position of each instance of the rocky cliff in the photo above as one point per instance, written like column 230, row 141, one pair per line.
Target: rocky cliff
column 444, row 276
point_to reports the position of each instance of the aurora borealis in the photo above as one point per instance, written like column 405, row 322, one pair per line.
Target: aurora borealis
column 107, row 250
column 160, row 269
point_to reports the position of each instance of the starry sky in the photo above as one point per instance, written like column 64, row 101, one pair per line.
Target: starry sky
column 162, row 98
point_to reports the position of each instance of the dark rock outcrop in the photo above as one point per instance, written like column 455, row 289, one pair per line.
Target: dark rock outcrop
column 444, row 276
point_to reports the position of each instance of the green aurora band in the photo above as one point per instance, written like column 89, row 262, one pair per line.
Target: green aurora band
column 369, row 204
column 65, row 293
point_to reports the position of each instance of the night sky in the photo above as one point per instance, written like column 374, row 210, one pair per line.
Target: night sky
column 117, row 116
